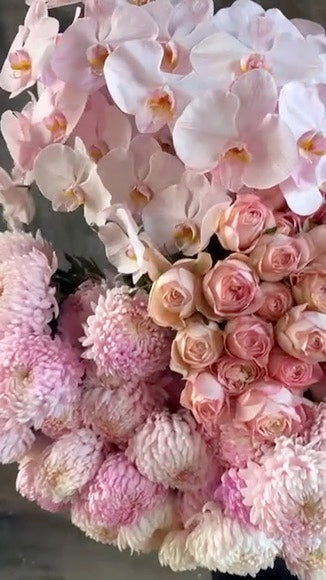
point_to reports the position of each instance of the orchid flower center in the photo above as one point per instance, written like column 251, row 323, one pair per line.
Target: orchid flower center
column 237, row 154
column 161, row 102
column 186, row 234
column 57, row 124
column 140, row 2
column 170, row 57
column 73, row 197
column 312, row 143
column 98, row 151
column 20, row 62
column 96, row 56
column 140, row 196
column 252, row 62
column 130, row 253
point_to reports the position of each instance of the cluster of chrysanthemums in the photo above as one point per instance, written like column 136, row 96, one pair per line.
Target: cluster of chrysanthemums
column 182, row 410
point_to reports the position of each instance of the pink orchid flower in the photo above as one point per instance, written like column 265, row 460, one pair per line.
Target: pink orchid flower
column 303, row 109
column 139, row 87
column 69, row 179
column 135, row 175
column 287, row 55
column 174, row 219
column 124, row 245
column 181, row 26
column 102, row 127
column 30, row 50
column 238, row 135
column 17, row 203
column 54, row 3
column 51, row 119
column 306, row 198
column 84, row 47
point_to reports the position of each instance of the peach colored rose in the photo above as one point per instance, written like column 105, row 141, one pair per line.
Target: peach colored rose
column 287, row 222
column 231, row 288
column 174, row 297
column 277, row 256
column 278, row 300
column 237, row 374
column 270, row 411
column 294, row 373
column 196, row 346
column 302, row 334
column 309, row 285
column 249, row 337
column 241, row 225
column 205, row 397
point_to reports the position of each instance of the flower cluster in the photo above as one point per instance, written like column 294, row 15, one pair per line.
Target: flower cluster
column 183, row 409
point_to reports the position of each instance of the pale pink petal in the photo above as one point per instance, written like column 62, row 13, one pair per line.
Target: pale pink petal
column 132, row 72
column 54, row 170
column 307, row 27
column 96, row 198
column 116, row 170
column 164, row 170
column 302, row 201
column 130, row 23
column 186, row 16
column 238, row 16
column 293, row 59
column 18, row 206
column 218, row 56
column 257, row 94
column 301, row 108
column 274, row 155
column 142, row 148
column 69, row 60
column 321, row 173
column 205, row 126
column 37, row 11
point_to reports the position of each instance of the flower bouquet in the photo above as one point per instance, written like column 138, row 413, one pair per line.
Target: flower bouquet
column 178, row 404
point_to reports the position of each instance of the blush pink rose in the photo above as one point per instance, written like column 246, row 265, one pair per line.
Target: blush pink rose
column 237, row 374
column 278, row 300
column 174, row 297
column 277, row 256
column 249, row 337
column 287, row 222
column 309, row 285
column 270, row 410
column 231, row 288
column 196, row 346
column 205, row 398
column 294, row 373
column 301, row 333
column 241, row 225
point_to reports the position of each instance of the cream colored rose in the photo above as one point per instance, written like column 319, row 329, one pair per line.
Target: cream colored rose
column 196, row 346
column 309, row 285
column 302, row 334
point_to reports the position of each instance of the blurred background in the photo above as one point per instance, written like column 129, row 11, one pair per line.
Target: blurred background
column 36, row 545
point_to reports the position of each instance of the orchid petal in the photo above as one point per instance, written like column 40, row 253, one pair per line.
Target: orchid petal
column 257, row 94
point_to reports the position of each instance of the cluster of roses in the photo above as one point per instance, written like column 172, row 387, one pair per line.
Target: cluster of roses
column 173, row 411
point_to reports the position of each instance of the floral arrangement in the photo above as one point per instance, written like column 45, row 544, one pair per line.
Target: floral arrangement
column 177, row 405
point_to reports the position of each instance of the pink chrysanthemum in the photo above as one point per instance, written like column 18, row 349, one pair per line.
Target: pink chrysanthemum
column 169, row 450
column 123, row 340
column 27, row 298
column 221, row 543
column 237, row 446
column 229, row 494
column 65, row 417
column 69, row 464
column 76, row 308
column 15, row 441
column 192, row 501
column 308, row 563
column 114, row 410
column 26, row 482
column 286, row 493
column 15, row 244
column 82, row 519
column 36, row 374
column 317, row 432
column 120, row 495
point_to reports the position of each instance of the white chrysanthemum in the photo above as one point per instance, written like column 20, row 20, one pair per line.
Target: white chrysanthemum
column 69, row 464
column 169, row 450
column 174, row 553
column 146, row 533
column 15, row 441
column 220, row 543
column 82, row 519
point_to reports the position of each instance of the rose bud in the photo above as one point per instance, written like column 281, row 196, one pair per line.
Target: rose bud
column 302, row 334
column 278, row 300
column 196, row 346
column 249, row 337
